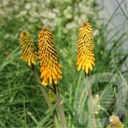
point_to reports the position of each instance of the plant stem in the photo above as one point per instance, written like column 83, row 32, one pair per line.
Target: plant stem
column 90, row 101
column 60, row 107
column 45, row 96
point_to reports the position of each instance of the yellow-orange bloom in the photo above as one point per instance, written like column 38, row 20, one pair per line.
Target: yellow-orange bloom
column 115, row 122
column 86, row 58
column 28, row 50
column 49, row 64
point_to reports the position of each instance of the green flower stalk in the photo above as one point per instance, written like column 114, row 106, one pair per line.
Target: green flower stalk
column 52, row 96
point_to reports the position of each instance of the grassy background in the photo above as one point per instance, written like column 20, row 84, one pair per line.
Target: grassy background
column 21, row 101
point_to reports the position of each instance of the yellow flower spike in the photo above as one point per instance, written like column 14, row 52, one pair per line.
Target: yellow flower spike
column 85, row 58
column 28, row 50
column 49, row 64
column 115, row 122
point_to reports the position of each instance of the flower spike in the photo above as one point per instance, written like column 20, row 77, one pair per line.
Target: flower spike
column 49, row 63
column 115, row 122
column 86, row 57
column 28, row 50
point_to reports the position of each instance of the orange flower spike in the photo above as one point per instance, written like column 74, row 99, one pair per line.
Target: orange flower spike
column 85, row 58
column 49, row 64
column 28, row 50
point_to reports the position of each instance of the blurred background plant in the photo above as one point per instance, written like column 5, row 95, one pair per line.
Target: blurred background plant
column 21, row 101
